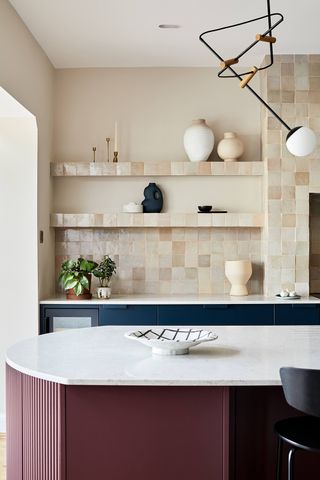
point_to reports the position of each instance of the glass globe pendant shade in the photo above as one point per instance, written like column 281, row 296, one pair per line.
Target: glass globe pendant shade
column 301, row 141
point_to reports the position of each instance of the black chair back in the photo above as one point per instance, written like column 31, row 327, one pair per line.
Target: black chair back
column 301, row 388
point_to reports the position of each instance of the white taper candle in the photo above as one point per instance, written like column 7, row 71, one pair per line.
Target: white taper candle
column 116, row 136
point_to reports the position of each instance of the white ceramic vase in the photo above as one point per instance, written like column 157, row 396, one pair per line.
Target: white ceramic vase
column 198, row 141
column 238, row 273
column 230, row 148
column 103, row 292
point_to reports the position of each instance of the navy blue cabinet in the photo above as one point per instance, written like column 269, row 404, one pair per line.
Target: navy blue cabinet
column 218, row 314
column 58, row 317
column 297, row 314
column 181, row 315
column 254, row 314
column 128, row 315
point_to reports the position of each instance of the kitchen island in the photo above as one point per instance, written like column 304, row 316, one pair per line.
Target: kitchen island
column 90, row 403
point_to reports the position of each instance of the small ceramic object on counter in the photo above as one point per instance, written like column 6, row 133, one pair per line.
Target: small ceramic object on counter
column 198, row 141
column 153, row 199
column 284, row 293
column 132, row 207
column 238, row 272
column 171, row 341
column 230, row 148
column 104, row 292
column 288, row 295
column 205, row 208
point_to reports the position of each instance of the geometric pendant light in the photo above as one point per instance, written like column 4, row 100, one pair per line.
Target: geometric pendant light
column 300, row 140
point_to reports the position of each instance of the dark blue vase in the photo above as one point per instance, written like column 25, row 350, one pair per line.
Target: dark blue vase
column 153, row 200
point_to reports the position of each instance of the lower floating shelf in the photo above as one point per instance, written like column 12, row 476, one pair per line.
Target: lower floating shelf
column 136, row 220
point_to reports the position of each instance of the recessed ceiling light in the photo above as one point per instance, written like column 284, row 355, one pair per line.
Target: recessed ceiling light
column 168, row 25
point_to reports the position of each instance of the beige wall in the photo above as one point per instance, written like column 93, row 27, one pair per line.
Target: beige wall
column 153, row 107
column 26, row 73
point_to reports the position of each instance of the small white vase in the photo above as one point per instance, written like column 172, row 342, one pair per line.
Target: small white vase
column 238, row 273
column 198, row 141
column 104, row 292
column 230, row 148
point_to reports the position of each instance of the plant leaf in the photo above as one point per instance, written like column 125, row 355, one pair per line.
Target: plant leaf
column 84, row 282
column 71, row 284
column 78, row 289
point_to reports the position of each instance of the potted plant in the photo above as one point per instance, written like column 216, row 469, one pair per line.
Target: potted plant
column 75, row 277
column 104, row 272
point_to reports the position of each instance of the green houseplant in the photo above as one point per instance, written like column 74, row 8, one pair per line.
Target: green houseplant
column 75, row 278
column 104, row 271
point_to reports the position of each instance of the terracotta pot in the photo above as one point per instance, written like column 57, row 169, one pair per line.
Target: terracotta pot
column 86, row 295
column 238, row 273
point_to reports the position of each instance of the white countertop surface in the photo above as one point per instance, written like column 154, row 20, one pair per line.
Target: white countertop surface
column 145, row 299
column 103, row 356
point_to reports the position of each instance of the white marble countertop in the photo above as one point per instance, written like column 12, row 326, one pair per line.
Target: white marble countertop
column 103, row 356
column 145, row 299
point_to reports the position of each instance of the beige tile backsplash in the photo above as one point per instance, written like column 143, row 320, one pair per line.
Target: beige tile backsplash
column 166, row 260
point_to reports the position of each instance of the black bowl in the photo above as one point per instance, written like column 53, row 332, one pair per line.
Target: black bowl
column 205, row 208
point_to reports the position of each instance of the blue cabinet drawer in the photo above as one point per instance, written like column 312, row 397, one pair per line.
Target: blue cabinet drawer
column 128, row 315
column 297, row 314
column 217, row 314
column 239, row 314
column 181, row 315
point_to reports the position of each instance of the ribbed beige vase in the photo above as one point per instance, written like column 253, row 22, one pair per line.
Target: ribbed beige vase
column 238, row 272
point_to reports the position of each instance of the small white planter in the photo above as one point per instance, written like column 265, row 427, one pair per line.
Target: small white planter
column 198, row 141
column 104, row 292
column 238, row 272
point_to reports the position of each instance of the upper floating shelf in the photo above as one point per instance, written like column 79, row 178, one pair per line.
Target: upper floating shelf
column 140, row 169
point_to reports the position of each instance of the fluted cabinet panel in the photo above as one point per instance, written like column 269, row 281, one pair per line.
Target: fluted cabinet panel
column 14, row 424
column 41, row 430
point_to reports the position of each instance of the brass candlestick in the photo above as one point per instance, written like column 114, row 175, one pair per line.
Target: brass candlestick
column 108, row 148
column 115, row 157
column 94, row 149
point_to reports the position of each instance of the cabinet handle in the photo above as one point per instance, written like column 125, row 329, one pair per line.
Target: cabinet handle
column 305, row 305
column 216, row 306
column 114, row 307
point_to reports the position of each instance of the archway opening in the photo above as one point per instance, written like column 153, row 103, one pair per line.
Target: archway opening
column 18, row 223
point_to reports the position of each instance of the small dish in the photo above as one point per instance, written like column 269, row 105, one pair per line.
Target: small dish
column 171, row 341
column 205, row 208
column 296, row 297
column 132, row 207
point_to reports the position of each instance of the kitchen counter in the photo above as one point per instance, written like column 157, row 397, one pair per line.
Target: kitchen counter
column 89, row 403
column 103, row 356
column 145, row 299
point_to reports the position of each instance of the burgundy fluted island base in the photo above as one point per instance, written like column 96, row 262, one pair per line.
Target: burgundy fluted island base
column 91, row 405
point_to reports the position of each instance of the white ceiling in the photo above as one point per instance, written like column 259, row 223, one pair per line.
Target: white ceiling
column 125, row 33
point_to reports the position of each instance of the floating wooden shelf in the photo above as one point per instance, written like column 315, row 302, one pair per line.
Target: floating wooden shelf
column 136, row 169
column 121, row 220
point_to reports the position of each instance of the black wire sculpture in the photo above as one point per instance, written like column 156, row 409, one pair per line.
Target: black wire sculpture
column 227, row 64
